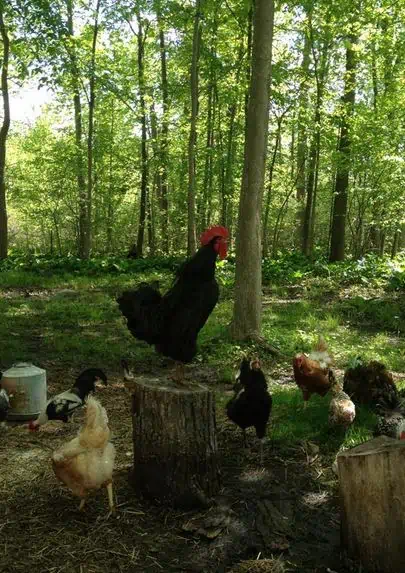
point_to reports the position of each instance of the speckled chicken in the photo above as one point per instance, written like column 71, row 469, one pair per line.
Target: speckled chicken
column 342, row 410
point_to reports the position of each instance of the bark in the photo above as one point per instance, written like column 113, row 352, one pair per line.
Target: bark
column 175, row 446
column 247, row 313
column 372, row 494
column 337, row 247
column 90, row 134
column 3, row 136
column 208, row 168
column 144, row 155
column 191, row 227
column 81, row 181
column 164, row 191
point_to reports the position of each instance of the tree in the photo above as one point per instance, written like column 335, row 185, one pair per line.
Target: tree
column 191, row 226
column 337, row 245
column 3, row 134
column 247, row 312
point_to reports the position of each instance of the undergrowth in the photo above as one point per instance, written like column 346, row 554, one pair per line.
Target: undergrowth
column 67, row 319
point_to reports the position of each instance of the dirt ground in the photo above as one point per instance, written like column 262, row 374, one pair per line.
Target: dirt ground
column 286, row 508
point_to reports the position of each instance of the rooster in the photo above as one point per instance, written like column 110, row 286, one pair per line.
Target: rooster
column 251, row 403
column 62, row 406
column 311, row 372
column 86, row 463
column 171, row 322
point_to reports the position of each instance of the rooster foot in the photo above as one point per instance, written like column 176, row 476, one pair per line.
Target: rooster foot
column 178, row 374
column 81, row 506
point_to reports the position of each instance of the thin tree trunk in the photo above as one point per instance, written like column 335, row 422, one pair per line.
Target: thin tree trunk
column 90, row 134
column 337, row 247
column 81, row 182
column 111, row 186
column 206, row 191
column 164, row 191
column 3, row 137
column 247, row 312
column 269, row 190
column 144, row 155
column 191, row 226
column 302, row 140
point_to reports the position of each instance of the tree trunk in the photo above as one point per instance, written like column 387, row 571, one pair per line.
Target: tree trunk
column 302, row 140
column 372, row 494
column 144, row 156
column 164, row 191
column 90, row 134
column 269, row 190
column 175, row 445
column 247, row 312
column 337, row 247
column 191, row 227
column 3, row 137
column 81, row 182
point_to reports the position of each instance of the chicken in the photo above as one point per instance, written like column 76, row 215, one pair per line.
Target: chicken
column 371, row 383
column 311, row 372
column 342, row 411
column 391, row 425
column 252, row 402
column 62, row 406
column 171, row 322
column 86, row 463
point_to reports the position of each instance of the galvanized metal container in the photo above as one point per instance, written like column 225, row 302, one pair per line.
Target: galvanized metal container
column 26, row 387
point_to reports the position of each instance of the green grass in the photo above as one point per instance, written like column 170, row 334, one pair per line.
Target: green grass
column 72, row 321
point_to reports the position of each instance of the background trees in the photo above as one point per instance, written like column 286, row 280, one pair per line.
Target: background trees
column 129, row 149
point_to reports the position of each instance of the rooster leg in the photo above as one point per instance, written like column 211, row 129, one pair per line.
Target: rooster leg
column 81, row 506
column 178, row 375
column 245, row 444
column 110, row 498
column 261, row 451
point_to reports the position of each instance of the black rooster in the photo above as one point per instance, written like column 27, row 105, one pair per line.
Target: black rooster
column 171, row 322
column 251, row 404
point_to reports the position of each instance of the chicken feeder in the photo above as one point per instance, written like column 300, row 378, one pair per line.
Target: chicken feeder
column 26, row 386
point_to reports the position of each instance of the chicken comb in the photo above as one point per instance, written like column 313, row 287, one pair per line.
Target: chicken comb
column 209, row 234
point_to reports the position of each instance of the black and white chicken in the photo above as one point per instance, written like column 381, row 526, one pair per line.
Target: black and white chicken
column 62, row 406
column 251, row 404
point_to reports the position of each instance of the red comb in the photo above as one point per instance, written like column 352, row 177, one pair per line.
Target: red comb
column 209, row 234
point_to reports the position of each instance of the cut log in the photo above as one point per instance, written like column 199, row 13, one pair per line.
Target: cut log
column 372, row 495
column 175, row 444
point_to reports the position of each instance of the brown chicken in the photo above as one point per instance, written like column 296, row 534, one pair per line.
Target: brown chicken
column 86, row 463
column 311, row 372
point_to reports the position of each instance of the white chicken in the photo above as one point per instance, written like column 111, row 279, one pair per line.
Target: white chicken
column 86, row 463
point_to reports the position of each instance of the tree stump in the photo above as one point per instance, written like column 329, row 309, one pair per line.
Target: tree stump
column 372, row 494
column 175, row 444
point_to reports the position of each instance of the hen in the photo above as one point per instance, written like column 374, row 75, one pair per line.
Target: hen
column 171, row 322
column 86, row 463
column 342, row 411
column 311, row 372
column 251, row 404
column 62, row 406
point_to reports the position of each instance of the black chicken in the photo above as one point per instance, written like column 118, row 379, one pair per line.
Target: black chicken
column 171, row 322
column 4, row 405
column 252, row 402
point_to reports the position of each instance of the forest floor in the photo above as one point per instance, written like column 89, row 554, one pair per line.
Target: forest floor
column 285, row 508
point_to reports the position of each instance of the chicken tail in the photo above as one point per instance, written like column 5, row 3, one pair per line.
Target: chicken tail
column 140, row 308
column 321, row 345
column 95, row 432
